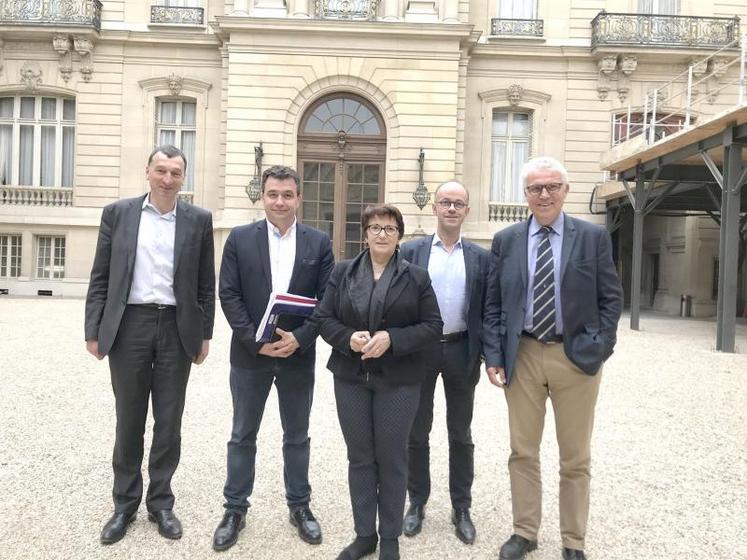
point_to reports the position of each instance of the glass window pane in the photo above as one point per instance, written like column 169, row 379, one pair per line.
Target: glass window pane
column 27, row 107
column 68, row 109
column 167, row 137
column 498, row 171
column 310, row 210
column 189, row 112
column 322, row 112
column 355, row 194
column 355, row 174
column 371, row 174
column 26, row 160
column 43, row 260
column 168, row 112
column 188, row 147
column 327, row 191
column 6, row 107
column 6, row 154
column 59, row 257
column 371, row 126
column 314, row 124
column 327, row 172
column 335, row 106
column 353, row 214
column 47, row 156
column 310, row 172
column 371, row 194
column 500, row 123
column 68, row 155
column 520, row 124
column 326, row 211
column 310, row 191
column 48, row 108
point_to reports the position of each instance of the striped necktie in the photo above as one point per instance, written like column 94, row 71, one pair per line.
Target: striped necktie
column 543, row 320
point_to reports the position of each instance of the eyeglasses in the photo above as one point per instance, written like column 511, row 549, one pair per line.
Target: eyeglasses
column 446, row 204
column 551, row 188
column 376, row 229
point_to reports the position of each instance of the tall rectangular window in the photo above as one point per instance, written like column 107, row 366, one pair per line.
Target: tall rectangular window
column 176, row 124
column 50, row 257
column 10, row 256
column 517, row 9
column 37, row 141
column 510, row 145
column 659, row 7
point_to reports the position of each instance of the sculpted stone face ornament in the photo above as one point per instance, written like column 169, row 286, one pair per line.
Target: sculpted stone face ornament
column 515, row 93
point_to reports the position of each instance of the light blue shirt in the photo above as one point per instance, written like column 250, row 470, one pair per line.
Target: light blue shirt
column 449, row 280
column 556, row 242
column 153, row 275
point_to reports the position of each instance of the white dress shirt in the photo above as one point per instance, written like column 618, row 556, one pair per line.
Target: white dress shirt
column 449, row 280
column 282, row 256
column 153, row 276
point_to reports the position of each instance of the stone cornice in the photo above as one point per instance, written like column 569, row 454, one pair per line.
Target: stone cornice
column 502, row 50
column 161, row 37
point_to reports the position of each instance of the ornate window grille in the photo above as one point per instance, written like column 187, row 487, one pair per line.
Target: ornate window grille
column 51, row 12
column 518, row 27
column 346, row 9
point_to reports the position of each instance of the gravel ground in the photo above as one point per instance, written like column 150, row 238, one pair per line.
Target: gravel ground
column 669, row 459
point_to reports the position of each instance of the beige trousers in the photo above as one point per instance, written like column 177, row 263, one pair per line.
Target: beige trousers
column 543, row 370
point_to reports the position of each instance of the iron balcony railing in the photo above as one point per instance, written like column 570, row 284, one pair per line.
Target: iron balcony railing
column 692, row 32
column 517, row 27
column 51, row 12
column 177, row 15
column 346, row 9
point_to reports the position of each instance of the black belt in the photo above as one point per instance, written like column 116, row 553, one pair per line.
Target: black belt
column 554, row 339
column 158, row 306
column 453, row 336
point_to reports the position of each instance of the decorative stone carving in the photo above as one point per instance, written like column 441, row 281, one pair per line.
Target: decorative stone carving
column 175, row 83
column 607, row 66
column 514, row 93
column 31, row 75
column 626, row 66
column 61, row 44
column 84, row 48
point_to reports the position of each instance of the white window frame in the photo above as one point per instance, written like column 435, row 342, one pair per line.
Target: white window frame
column 516, row 9
column 10, row 262
column 511, row 167
column 53, row 263
column 178, row 129
column 59, row 124
column 659, row 7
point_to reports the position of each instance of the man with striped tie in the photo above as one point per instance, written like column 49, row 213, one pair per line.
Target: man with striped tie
column 552, row 305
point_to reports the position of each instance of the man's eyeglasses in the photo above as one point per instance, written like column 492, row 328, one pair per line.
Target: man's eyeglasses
column 446, row 204
column 551, row 188
column 376, row 229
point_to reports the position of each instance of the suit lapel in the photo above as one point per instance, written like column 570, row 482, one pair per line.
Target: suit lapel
column 184, row 219
column 424, row 252
column 131, row 228
column 569, row 238
column 470, row 268
column 264, row 252
column 522, row 238
column 399, row 282
column 300, row 252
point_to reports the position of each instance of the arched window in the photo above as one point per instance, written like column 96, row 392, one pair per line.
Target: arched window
column 342, row 114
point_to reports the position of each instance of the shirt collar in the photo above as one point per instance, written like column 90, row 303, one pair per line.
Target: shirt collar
column 276, row 231
column 557, row 225
column 438, row 243
column 171, row 214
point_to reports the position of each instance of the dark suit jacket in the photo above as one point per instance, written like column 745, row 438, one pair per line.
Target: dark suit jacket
column 114, row 263
column 246, row 284
column 590, row 294
column 410, row 315
column 418, row 251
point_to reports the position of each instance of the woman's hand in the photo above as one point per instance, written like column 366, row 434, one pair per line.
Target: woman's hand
column 358, row 340
column 375, row 348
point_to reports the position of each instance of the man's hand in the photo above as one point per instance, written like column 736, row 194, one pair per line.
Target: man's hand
column 93, row 348
column 280, row 348
column 203, row 352
column 375, row 348
column 497, row 376
column 358, row 340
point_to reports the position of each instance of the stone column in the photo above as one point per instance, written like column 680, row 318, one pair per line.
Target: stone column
column 300, row 9
column 240, row 8
column 450, row 11
column 391, row 10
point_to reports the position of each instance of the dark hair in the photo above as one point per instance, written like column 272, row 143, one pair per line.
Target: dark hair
column 281, row 172
column 170, row 152
column 383, row 211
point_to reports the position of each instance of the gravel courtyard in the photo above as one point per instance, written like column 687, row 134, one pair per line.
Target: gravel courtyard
column 669, row 454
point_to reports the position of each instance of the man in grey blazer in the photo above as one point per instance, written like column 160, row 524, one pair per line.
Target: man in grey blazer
column 150, row 308
column 458, row 270
column 277, row 254
column 552, row 306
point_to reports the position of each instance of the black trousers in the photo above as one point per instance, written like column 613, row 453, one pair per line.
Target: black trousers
column 375, row 418
column 459, row 389
column 147, row 362
column 249, row 389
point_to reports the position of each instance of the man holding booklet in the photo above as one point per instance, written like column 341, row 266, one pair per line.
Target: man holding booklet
column 274, row 257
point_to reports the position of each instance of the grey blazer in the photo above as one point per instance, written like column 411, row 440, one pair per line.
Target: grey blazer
column 590, row 293
column 418, row 252
column 114, row 264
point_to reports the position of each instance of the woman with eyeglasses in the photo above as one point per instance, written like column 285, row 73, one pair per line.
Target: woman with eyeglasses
column 379, row 314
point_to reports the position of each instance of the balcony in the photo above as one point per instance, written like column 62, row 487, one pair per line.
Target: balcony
column 507, row 212
column 36, row 196
column 171, row 15
column 517, row 27
column 647, row 30
column 346, row 9
column 51, row 12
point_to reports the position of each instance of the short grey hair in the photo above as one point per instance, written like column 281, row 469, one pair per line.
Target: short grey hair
column 451, row 182
column 543, row 162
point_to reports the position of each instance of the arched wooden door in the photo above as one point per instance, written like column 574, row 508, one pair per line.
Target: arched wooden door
column 341, row 157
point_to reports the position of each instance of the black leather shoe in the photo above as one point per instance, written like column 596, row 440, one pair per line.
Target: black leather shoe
column 116, row 527
column 389, row 549
column 465, row 530
column 413, row 521
column 169, row 525
column 573, row 554
column 360, row 547
column 306, row 523
column 516, row 548
column 227, row 532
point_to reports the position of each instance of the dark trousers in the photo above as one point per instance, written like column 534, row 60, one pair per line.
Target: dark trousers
column 459, row 388
column 147, row 361
column 249, row 389
column 375, row 419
